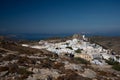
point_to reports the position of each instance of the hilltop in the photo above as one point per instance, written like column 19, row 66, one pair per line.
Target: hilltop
column 26, row 63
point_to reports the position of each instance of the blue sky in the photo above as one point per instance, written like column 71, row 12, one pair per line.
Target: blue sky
column 59, row 16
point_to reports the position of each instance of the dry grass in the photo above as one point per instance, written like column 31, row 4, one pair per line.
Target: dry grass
column 9, row 57
column 71, row 75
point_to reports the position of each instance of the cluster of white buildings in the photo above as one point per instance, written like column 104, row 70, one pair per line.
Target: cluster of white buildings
column 91, row 52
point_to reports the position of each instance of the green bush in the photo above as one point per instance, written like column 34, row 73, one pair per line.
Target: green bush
column 70, row 48
column 67, row 43
column 115, row 64
column 24, row 71
column 81, row 60
column 78, row 51
column 112, row 62
column 116, row 67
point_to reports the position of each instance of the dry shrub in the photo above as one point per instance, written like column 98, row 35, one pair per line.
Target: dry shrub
column 16, row 47
column 10, row 57
column 1, row 56
column 26, row 60
column 3, row 68
column 71, row 75
column 3, row 51
column 46, row 63
column 57, row 65
column 12, row 68
column 103, row 73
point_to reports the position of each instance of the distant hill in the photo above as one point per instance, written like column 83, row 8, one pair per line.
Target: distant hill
column 107, row 42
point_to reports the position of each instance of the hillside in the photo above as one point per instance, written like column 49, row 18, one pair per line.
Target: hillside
column 108, row 42
column 23, row 63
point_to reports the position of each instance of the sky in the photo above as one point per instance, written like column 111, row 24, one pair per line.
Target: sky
column 59, row 16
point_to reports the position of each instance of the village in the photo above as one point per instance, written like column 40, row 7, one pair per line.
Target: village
column 82, row 48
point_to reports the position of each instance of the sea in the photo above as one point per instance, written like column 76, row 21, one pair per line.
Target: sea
column 32, row 36
column 39, row 36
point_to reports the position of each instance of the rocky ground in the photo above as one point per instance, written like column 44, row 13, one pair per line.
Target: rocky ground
column 21, row 63
column 108, row 42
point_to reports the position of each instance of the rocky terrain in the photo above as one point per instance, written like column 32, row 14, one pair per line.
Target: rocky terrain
column 23, row 63
column 108, row 42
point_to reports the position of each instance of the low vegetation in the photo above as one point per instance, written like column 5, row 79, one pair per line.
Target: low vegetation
column 81, row 60
column 112, row 62
column 71, row 75
column 115, row 64
column 70, row 48
column 78, row 51
column 116, row 67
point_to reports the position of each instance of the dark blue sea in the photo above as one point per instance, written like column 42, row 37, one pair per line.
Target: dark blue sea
column 37, row 36
column 30, row 36
column 40, row 36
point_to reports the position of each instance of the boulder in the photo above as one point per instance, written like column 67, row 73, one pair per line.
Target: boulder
column 44, row 74
column 89, row 73
column 73, row 67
